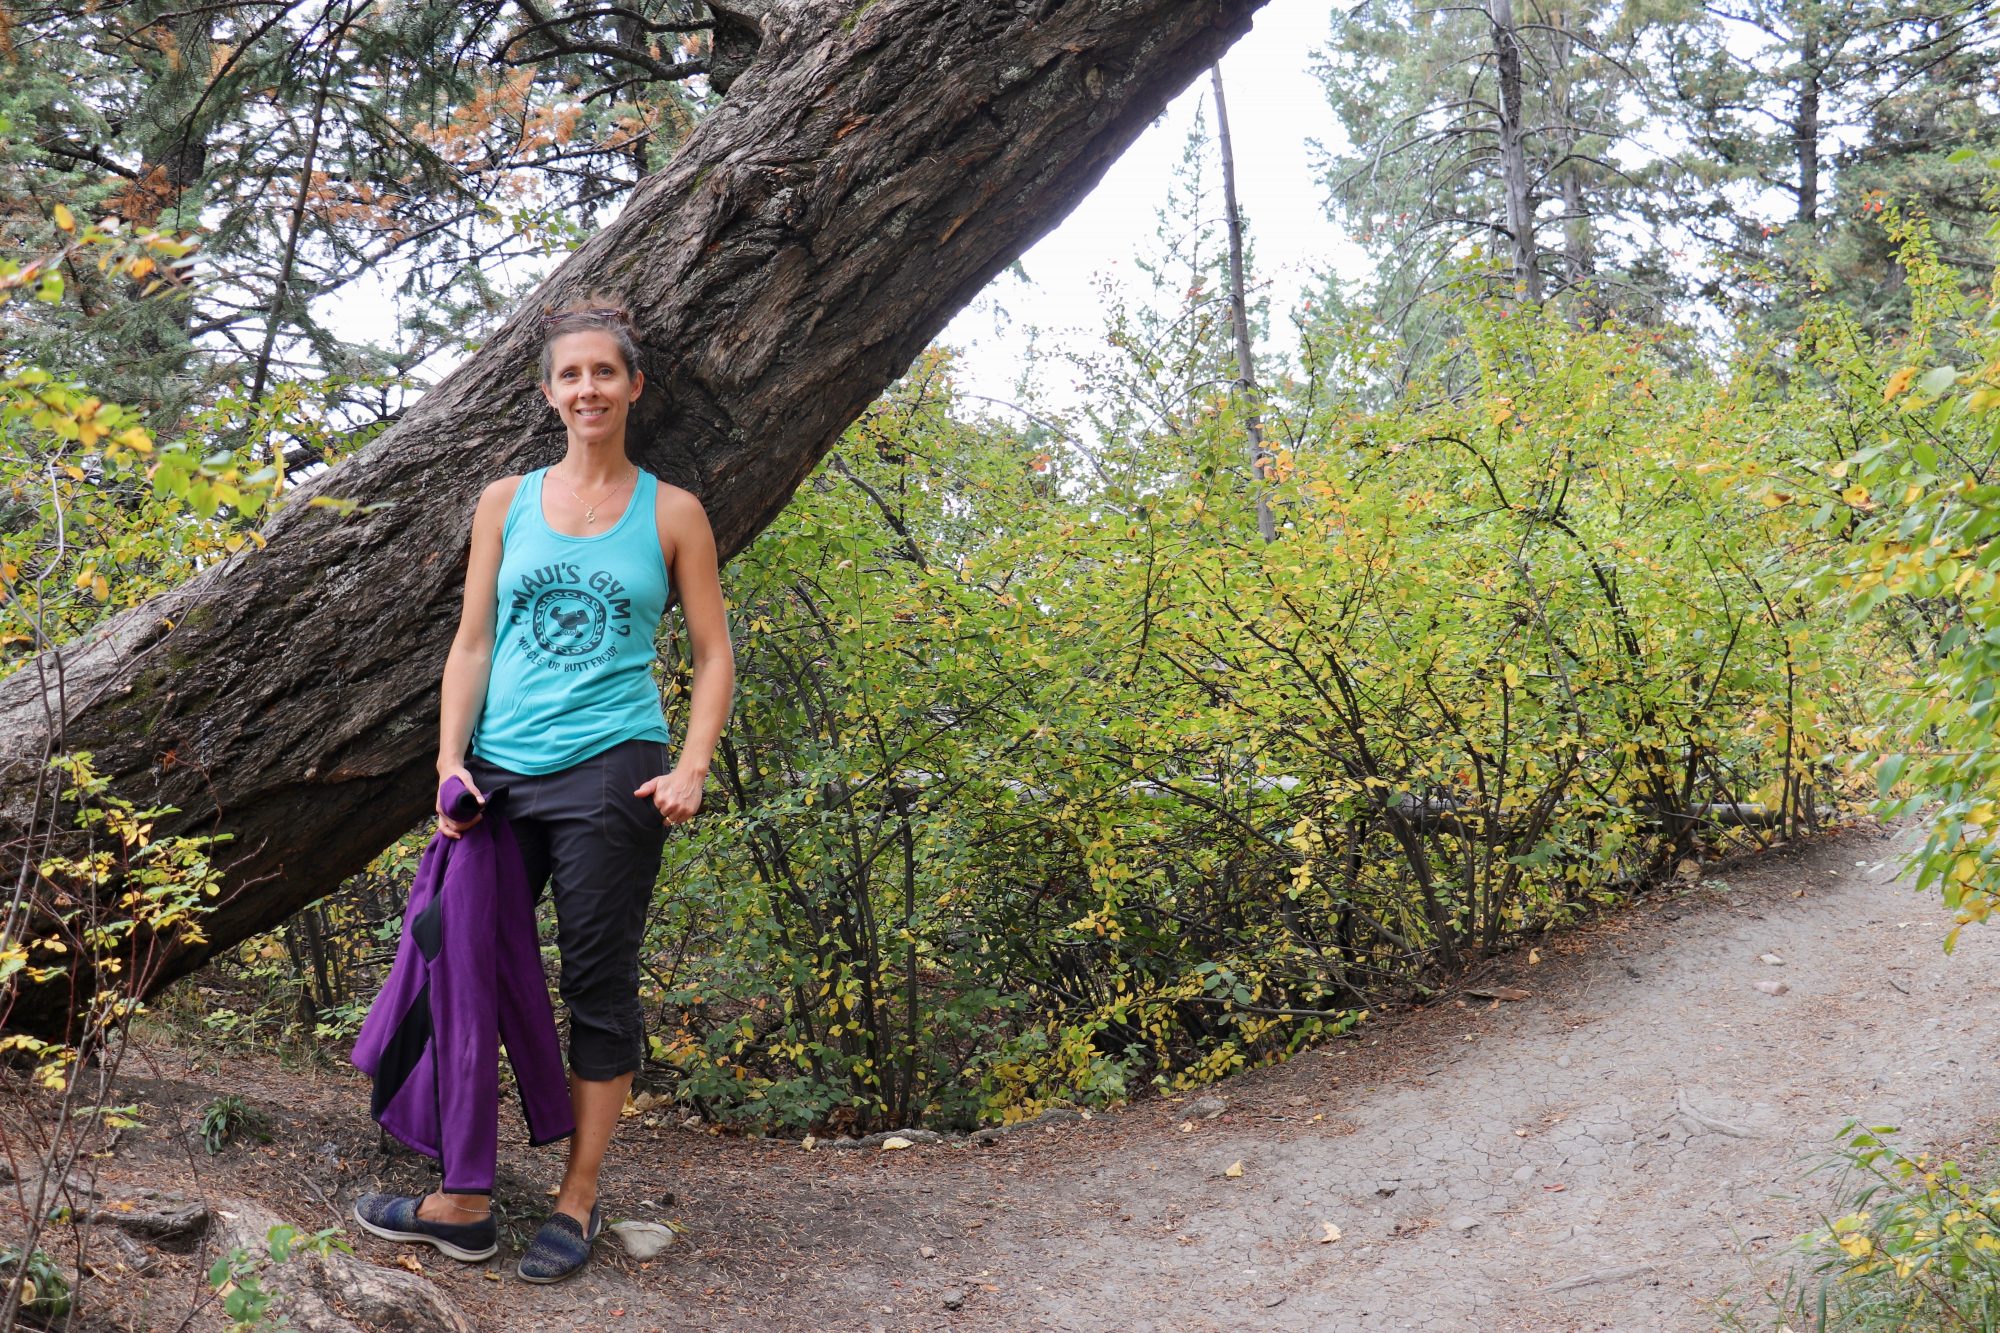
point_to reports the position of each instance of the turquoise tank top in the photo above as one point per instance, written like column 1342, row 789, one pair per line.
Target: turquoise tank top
column 573, row 633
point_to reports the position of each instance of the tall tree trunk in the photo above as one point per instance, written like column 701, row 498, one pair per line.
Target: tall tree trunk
column 1565, row 134
column 1239, row 319
column 1514, row 177
column 874, row 166
column 1805, row 123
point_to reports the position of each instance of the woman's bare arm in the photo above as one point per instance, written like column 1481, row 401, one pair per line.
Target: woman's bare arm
column 698, row 579
column 470, row 661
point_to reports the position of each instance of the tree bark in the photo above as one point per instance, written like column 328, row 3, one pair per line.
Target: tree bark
column 874, row 166
column 1805, row 124
column 1514, row 175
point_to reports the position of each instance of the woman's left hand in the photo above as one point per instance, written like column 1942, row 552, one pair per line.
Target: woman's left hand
column 676, row 795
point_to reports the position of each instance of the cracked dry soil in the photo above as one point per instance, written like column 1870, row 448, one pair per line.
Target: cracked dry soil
column 1632, row 1141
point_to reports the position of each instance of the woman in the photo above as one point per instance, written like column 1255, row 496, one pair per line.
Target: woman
column 548, row 690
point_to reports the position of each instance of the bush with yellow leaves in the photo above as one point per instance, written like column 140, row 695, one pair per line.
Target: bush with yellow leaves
column 1919, row 1247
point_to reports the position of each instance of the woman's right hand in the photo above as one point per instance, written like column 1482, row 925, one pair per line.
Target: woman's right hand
column 452, row 828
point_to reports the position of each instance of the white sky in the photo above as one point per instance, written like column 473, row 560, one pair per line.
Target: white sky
column 1276, row 108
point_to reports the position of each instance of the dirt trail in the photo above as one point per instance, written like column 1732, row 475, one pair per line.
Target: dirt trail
column 1612, row 1153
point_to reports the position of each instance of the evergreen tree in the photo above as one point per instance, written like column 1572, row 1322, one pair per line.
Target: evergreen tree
column 1489, row 129
column 327, row 158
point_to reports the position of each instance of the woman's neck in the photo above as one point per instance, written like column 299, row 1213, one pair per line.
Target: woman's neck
column 586, row 466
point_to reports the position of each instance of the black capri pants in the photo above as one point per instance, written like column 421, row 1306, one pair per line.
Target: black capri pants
column 584, row 833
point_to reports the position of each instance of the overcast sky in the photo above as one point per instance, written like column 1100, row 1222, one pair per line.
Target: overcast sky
column 1275, row 108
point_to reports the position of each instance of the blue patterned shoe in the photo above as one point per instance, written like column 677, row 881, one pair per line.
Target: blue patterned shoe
column 394, row 1217
column 560, row 1248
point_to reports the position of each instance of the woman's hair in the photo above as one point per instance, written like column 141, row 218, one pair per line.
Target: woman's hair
column 591, row 315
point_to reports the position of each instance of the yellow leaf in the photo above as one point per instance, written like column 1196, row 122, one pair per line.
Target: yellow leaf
column 1899, row 384
column 1856, row 495
column 1332, row 1233
column 1234, row 1171
column 64, row 219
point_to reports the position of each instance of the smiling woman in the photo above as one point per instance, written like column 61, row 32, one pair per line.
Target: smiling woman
column 548, row 692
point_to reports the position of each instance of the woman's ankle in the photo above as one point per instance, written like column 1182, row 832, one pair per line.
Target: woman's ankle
column 577, row 1199
column 457, row 1209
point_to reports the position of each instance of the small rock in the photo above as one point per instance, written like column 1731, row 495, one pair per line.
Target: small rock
column 1207, row 1108
column 1771, row 959
column 987, row 1137
column 1772, row 987
column 1523, row 1174
column 954, row 1299
column 1562, row 1062
column 926, row 1252
column 692, row 1122
column 1464, row 1225
column 896, row 1143
column 642, row 1240
column 1234, row 1170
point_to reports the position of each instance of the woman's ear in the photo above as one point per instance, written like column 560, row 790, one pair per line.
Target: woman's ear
column 638, row 383
column 547, row 397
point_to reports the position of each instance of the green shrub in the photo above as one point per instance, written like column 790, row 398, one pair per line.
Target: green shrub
column 1917, row 1249
column 44, row 1287
column 229, row 1118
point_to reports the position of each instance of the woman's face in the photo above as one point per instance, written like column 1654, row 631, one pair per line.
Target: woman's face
column 590, row 386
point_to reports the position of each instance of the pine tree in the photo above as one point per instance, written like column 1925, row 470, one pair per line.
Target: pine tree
column 1488, row 129
column 353, row 150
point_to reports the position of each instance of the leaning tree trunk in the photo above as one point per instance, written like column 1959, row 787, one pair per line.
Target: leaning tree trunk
column 869, row 172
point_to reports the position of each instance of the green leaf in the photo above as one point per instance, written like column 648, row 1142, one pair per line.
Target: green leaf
column 1937, row 380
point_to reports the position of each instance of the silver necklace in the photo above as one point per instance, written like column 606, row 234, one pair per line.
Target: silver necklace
column 590, row 510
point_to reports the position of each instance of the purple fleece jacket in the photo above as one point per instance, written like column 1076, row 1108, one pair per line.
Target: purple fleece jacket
column 467, row 976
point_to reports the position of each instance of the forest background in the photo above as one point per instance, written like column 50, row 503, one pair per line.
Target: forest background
column 1636, row 506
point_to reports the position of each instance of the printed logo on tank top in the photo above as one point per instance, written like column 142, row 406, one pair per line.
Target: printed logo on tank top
column 569, row 619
